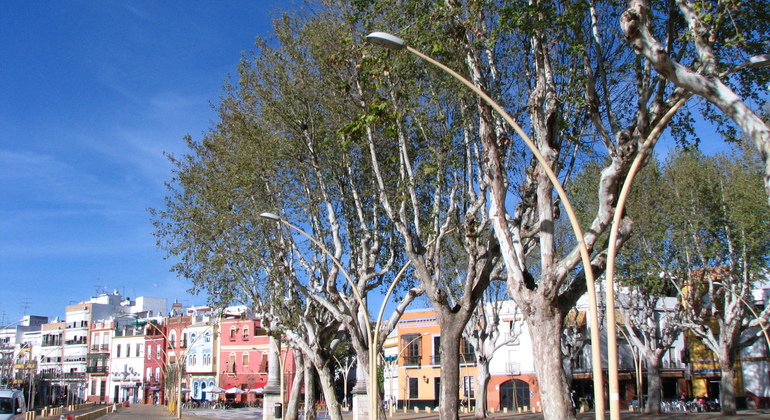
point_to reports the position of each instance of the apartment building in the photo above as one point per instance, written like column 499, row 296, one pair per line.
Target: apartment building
column 412, row 366
column 98, row 360
column 201, row 340
column 154, row 362
column 243, row 355
column 127, row 361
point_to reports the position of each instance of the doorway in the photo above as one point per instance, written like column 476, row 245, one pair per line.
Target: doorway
column 514, row 394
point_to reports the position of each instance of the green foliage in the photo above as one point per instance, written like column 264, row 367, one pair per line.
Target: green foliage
column 696, row 212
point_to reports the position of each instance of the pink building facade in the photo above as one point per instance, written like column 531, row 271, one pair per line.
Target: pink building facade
column 243, row 359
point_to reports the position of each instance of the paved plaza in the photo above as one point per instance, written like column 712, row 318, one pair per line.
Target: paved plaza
column 151, row 412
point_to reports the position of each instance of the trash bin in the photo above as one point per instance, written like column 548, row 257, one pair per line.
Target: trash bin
column 278, row 410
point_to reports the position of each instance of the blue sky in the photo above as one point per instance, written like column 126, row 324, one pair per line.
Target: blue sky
column 92, row 94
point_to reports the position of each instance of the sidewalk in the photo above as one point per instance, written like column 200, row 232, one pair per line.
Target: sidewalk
column 159, row 412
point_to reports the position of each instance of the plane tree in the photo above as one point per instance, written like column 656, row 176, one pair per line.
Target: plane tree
column 279, row 146
column 649, row 320
column 652, row 325
column 698, row 45
column 563, row 73
column 701, row 236
column 496, row 323
column 718, row 224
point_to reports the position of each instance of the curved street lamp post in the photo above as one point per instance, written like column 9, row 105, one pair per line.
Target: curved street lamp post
column 392, row 42
column 371, row 334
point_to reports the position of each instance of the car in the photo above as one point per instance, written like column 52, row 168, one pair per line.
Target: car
column 12, row 405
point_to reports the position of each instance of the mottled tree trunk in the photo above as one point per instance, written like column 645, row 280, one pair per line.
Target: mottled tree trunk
column 545, row 326
column 482, row 381
column 654, row 387
column 292, row 406
column 327, row 386
column 450, row 370
column 310, row 413
column 727, row 386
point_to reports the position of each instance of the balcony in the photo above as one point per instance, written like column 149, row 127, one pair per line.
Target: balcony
column 411, row 360
column 126, row 376
column 75, row 376
column 513, row 368
column 97, row 369
column 673, row 364
column 467, row 358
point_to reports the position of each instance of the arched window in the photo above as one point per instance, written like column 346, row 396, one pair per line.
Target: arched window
column 148, row 375
column 245, row 332
column 514, row 394
column 207, row 337
column 233, row 332
column 231, row 363
column 172, row 339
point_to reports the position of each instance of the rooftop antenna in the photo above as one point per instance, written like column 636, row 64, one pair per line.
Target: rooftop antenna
column 98, row 287
column 25, row 305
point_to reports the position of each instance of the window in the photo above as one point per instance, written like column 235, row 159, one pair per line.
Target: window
column 436, row 347
column 246, row 332
column 149, row 352
column 262, row 362
column 413, row 388
column 231, row 363
column 172, row 339
column 233, row 332
column 468, row 387
column 138, row 350
column 245, row 358
column 117, row 350
column 410, row 344
column 467, row 354
column 157, row 374
column 207, row 337
column 148, row 375
column 193, row 337
column 128, row 349
column 206, row 359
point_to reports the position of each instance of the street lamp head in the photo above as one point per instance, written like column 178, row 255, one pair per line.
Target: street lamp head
column 271, row 216
column 759, row 61
column 384, row 39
